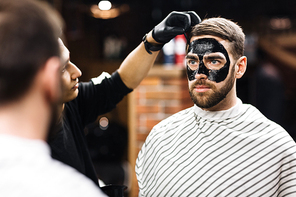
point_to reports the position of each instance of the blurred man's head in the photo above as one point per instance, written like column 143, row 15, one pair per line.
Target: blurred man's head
column 30, row 65
column 29, row 32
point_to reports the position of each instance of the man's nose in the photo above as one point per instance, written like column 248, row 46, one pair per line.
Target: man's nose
column 75, row 71
column 202, row 72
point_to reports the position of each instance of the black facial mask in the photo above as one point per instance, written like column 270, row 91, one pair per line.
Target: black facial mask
column 204, row 46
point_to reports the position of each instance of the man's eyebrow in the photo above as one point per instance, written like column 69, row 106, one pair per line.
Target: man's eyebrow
column 189, row 56
column 211, row 57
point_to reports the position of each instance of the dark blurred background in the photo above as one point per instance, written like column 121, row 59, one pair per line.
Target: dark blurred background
column 139, row 16
column 99, row 41
column 102, row 43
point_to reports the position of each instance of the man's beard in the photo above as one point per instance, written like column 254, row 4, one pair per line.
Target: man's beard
column 204, row 100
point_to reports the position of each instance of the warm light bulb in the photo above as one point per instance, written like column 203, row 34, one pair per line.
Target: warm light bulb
column 105, row 5
column 104, row 123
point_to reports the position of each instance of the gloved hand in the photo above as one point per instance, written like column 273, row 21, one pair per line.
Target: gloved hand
column 174, row 24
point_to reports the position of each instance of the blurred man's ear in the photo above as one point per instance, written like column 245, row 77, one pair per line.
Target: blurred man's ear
column 51, row 79
column 241, row 67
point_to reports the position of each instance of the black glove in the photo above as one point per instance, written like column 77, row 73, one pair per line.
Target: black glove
column 174, row 24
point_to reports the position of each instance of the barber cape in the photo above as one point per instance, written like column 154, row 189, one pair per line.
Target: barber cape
column 236, row 152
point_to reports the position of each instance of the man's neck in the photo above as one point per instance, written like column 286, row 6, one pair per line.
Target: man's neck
column 26, row 119
column 60, row 110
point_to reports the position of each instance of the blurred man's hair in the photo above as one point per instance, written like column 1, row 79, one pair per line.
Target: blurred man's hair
column 29, row 32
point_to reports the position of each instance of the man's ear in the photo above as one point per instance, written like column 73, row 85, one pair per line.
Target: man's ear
column 51, row 79
column 241, row 66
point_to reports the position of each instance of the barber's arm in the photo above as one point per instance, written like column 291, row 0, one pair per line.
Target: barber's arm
column 137, row 64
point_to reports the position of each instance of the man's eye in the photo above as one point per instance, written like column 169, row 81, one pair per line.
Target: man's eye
column 215, row 62
column 63, row 69
column 192, row 62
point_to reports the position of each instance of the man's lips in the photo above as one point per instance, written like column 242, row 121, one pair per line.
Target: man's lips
column 201, row 88
column 75, row 86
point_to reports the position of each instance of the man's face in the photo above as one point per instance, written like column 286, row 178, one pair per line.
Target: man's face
column 70, row 74
column 210, row 70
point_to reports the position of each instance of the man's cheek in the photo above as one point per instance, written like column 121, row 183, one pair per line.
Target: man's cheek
column 219, row 75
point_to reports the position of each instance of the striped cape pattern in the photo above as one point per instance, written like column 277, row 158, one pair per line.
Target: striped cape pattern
column 236, row 152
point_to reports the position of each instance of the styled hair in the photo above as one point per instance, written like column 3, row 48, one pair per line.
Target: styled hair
column 222, row 28
column 29, row 32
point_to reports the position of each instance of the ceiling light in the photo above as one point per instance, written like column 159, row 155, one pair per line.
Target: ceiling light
column 105, row 5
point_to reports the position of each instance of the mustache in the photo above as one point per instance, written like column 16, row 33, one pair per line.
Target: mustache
column 203, row 82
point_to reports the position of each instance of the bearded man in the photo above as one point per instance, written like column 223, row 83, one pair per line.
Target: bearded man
column 220, row 146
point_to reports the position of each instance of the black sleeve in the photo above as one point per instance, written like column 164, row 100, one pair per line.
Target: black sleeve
column 96, row 99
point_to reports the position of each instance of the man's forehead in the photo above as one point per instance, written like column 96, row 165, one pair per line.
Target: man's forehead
column 225, row 43
column 205, row 36
column 65, row 54
column 63, row 48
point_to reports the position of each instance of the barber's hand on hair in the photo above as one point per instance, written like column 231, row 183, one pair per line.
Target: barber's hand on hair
column 174, row 24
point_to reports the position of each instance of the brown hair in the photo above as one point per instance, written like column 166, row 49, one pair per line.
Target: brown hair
column 29, row 32
column 222, row 28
